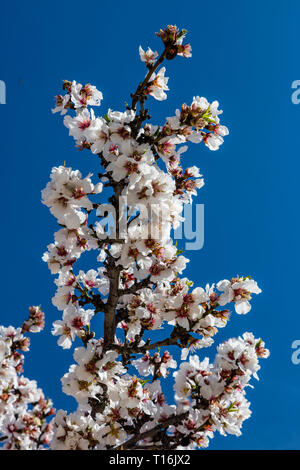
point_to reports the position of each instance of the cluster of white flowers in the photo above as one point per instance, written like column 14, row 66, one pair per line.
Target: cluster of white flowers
column 23, row 407
column 197, row 310
column 66, row 194
column 78, row 96
column 68, row 247
column 209, row 397
column 216, row 392
column 118, row 399
column 136, row 285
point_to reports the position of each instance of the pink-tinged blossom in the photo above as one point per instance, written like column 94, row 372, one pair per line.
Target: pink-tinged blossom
column 35, row 322
column 238, row 290
column 62, row 104
column 158, row 85
column 149, row 57
column 67, row 193
column 86, row 95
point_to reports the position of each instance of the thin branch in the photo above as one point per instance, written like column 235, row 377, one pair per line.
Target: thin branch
column 133, row 289
column 172, row 420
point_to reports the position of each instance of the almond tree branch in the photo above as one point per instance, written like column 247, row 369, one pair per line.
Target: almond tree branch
column 161, row 427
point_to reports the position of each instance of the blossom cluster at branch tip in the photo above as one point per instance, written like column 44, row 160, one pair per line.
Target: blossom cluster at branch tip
column 172, row 37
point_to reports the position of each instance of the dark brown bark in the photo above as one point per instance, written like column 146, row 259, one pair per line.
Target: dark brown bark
column 160, row 428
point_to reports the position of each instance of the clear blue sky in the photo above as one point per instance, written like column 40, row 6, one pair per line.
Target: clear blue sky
column 246, row 55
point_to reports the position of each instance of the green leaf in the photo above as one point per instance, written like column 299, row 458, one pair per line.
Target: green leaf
column 144, row 381
column 189, row 283
column 231, row 408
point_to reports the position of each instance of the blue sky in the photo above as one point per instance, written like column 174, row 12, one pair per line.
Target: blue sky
column 245, row 54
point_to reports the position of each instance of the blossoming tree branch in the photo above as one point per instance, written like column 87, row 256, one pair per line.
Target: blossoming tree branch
column 135, row 287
